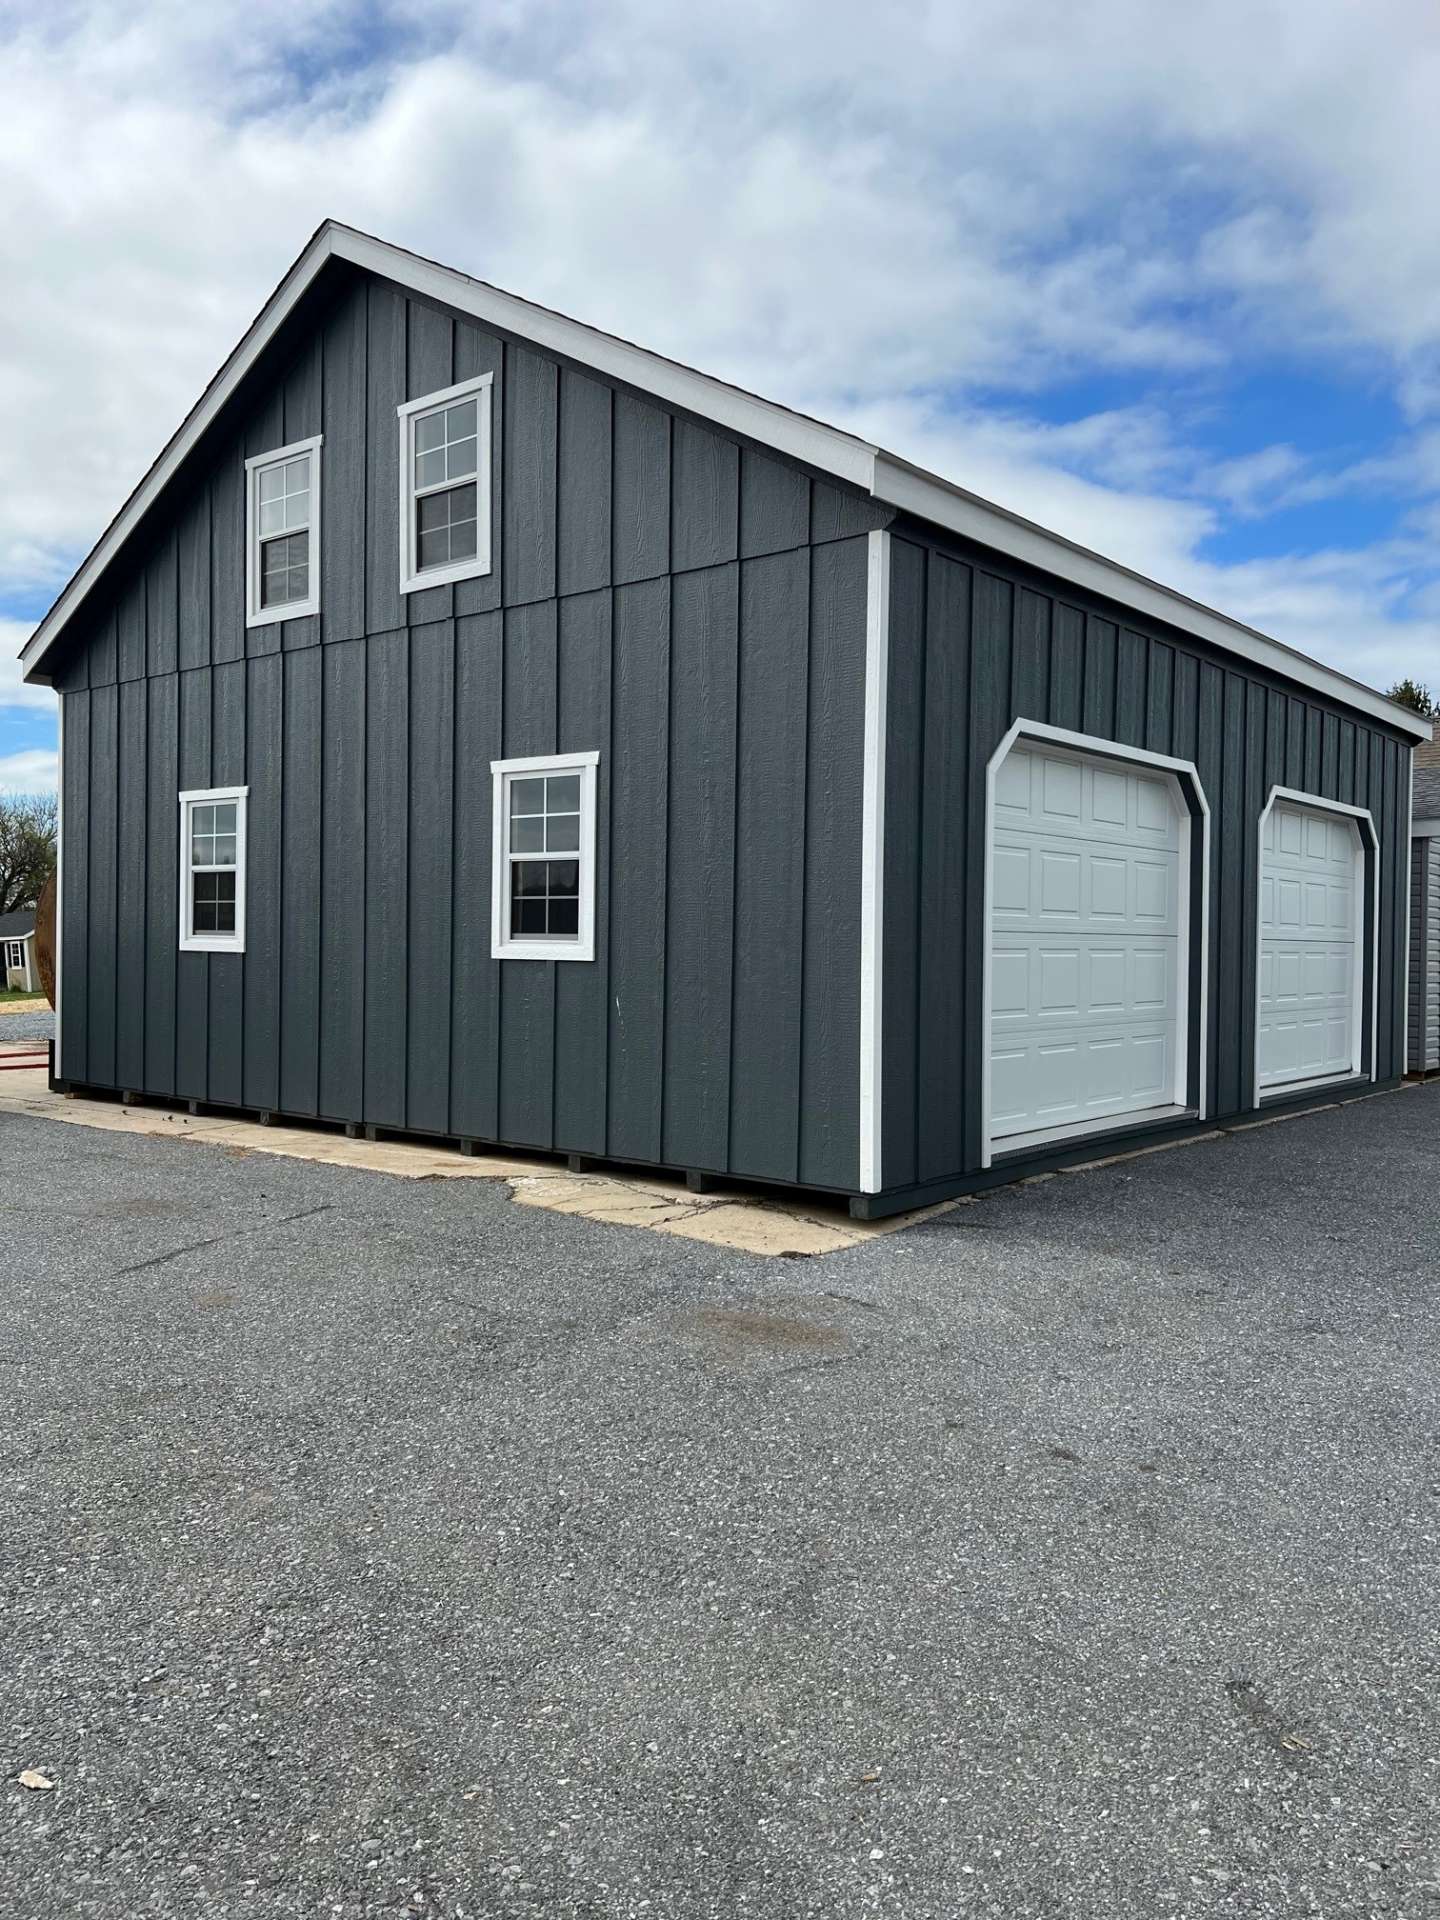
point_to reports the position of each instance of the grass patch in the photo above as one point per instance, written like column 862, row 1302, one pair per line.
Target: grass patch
column 13, row 997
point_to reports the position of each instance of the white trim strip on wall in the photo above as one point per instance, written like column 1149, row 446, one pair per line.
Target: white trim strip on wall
column 827, row 449
column 58, row 956
column 1042, row 733
column 1363, row 817
column 1409, row 862
column 872, row 861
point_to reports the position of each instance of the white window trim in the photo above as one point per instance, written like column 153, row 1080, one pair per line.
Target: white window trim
column 1186, row 1098
column 412, row 580
column 255, row 614
column 213, row 942
column 1367, row 846
column 502, row 946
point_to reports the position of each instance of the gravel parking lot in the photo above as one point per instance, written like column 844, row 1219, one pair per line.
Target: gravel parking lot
column 372, row 1546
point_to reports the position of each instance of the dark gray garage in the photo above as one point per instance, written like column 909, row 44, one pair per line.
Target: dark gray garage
column 475, row 725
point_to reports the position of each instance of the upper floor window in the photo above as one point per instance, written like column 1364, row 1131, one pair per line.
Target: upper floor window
column 543, row 902
column 212, row 870
column 282, row 533
column 445, row 485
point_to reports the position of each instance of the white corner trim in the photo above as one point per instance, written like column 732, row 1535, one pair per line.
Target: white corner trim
column 412, row 580
column 504, row 945
column 214, row 942
column 255, row 614
column 1096, row 748
column 828, row 450
column 1365, row 820
column 872, row 861
column 59, row 954
column 1407, row 860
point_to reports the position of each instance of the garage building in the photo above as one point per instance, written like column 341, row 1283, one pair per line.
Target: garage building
column 475, row 725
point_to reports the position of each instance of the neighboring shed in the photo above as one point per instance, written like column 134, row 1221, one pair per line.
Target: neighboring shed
column 18, row 972
column 619, row 764
column 1424, row 1036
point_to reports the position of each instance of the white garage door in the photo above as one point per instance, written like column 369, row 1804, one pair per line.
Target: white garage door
column 1310, row 956
column 1085, row 938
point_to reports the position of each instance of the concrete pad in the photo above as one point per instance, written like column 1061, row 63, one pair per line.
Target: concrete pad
column 773, row 1226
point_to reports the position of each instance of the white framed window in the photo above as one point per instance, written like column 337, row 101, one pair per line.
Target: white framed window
column 212, row 870
column 543, row 881
column 282, row 533
column 445, row 485
column 16, row 954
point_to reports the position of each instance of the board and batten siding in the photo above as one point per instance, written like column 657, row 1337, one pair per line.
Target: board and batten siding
column 977, row 643
column 689, row 606
column 1425, row 956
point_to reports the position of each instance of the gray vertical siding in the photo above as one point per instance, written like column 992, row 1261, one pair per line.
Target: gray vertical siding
column 1424, row 957
column 692, row 608
column 974, row 645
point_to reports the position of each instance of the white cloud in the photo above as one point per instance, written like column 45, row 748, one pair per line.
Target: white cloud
column 992, row 197
column 33, row 771
column 13, row 690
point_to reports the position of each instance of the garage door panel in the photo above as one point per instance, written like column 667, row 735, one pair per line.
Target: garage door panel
column 1310, row 930
column 1086, row 892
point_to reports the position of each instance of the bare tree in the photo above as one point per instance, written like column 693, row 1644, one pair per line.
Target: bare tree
column 27, row 847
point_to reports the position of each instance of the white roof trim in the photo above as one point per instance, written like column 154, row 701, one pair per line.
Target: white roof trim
column 842, row 456
column 1425, row 829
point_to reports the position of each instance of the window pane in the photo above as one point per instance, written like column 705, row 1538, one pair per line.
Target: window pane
column 527, row 916
column 460, row 421
column 564, row 876
column 429, row 467
column 272, row 517
column 527, row 796
column 562, row 833
column 297, row 509
column 202, row 819
column 429, row 431
column 224, row 854
column 562, row 793
column 213, row 903
column 564, row 918
column 433, row 512
column 297, row 582
column 528, row 876
column 462, row 540
column 462, row 502
column 297, row 475
column 527, row 835
column 460, row 460
column 223, row 816
column 434, row 549
column 272, row 483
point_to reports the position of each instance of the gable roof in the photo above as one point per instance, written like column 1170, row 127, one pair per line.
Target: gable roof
column 843, row 456
column 17, row 926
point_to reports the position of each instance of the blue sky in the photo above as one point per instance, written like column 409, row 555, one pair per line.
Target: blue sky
column 1159, row 279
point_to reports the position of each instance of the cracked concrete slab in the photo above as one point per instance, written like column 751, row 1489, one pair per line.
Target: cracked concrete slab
column 776, row 1226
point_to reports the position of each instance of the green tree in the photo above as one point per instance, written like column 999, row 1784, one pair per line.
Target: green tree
column 27, row 848
column 1410, row 693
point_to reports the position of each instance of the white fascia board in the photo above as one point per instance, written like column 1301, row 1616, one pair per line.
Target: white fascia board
column 912, row 490
column 1425, row 829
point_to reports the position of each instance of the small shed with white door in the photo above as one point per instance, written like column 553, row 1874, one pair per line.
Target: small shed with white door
column 18, row 971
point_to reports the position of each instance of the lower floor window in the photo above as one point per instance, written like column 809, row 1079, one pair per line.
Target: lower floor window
column 212, row 870
column 544, row 888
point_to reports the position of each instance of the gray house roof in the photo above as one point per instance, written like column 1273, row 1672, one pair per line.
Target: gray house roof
column 886, row 477
column 15, row 926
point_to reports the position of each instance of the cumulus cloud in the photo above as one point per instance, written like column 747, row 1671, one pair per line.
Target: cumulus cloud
column 931, row 233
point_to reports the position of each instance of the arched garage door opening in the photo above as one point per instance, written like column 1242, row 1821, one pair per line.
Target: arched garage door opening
column 1315, row 970
column 1096, row 897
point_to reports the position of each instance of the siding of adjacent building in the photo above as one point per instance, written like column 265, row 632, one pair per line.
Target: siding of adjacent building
column 690, row 606
column 1424, row 956
column 976, row 643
